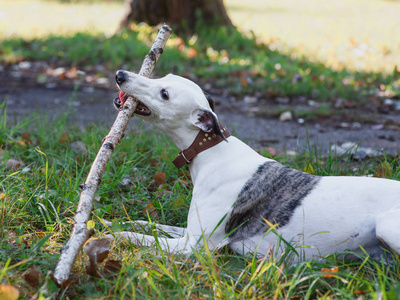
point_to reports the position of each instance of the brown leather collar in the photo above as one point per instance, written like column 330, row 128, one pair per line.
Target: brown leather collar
column 203, row 141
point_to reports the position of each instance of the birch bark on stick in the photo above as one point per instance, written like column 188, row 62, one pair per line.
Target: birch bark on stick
column 80, row 233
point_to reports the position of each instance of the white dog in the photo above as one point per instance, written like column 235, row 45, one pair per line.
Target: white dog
column 253, row 203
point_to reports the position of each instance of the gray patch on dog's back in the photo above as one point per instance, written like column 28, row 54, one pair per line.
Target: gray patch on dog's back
column 273, row 193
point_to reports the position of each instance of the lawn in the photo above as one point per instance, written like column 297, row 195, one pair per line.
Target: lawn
column 267, row 65
column 38, row 202
column 359, row 35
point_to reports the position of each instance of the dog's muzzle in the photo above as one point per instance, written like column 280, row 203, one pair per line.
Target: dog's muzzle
column 120, row 100
column 120, row 77
column 141, row 109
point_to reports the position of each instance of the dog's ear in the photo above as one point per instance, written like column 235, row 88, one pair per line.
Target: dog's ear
column 210, row 100
column 207, row 121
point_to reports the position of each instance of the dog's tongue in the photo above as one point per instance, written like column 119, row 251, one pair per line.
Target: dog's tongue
column 122, row 96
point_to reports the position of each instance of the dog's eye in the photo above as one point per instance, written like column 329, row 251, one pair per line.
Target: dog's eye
column 164, row 94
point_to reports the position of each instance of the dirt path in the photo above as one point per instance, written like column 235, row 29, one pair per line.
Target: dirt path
column 93, row 103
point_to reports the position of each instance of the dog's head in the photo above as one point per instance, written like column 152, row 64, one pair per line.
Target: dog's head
column 173, row 103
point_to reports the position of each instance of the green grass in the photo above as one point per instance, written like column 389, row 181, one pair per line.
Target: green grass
column 231, row 61
column 238, row 63
column 359, row 35
column 37, row 207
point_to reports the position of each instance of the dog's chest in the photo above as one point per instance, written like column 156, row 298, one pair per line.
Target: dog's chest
column 272, row 193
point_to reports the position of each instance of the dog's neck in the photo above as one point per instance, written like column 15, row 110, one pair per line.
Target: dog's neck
column 202, row 142
column 182, row 138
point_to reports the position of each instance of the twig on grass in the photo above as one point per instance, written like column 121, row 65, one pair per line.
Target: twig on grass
column 80, row 233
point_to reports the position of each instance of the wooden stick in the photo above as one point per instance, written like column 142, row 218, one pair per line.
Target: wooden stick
column 80, row 233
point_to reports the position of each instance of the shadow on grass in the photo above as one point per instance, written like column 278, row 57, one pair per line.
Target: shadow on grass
column 223, row 57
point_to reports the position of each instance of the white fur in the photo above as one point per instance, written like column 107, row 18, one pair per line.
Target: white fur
column 339, row 213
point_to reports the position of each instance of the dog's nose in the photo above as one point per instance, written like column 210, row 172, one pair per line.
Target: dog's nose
column 120, row 77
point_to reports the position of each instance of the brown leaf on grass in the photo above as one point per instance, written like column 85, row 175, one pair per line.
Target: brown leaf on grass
column 14, row 164
column 150, row 209
column 34, row 277
column 72, row 73
column 191, row 52
column 184, row 182
column 185, row 173
column 97, row 250
column 8, row 292
column 154, row 162
column 384, row 170
column 329, row 270
column 160, row 178
column 314, row 77
column 26, row 138
column 273, row 151
column 64, row 139
column 244, row 82
column 112, row 266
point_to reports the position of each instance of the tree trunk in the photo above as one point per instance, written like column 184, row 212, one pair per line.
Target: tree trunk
column 180, row 14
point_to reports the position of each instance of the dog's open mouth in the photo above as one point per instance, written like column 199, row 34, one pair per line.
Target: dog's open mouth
column 141, row 109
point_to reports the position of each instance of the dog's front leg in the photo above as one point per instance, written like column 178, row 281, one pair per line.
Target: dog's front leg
column 172, row 231
column 172, row 245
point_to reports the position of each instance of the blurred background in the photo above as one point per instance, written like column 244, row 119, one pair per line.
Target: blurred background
column 333, row 66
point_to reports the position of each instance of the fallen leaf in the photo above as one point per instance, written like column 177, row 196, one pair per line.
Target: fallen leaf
column 178, row 202
column 178, row 42
column 184, row 182
column 97, row 250
column 244, row 82
column 185, row 173
column 360, row 292
column 72, row 73
column 314, row 77
column 154, row 162
column 14, row 164
column 329, row 270
column 358, row 83
column 26, row 138
column 64, row 139
column 34, row 277
column 112, row 266
column 160, row 178
column 150, row 209
column 8, row 292
column 273, row 151
column 191, row 52
column 384, row 170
